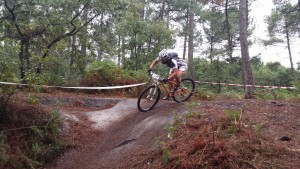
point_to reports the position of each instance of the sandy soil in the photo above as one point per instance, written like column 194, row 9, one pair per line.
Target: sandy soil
column 105, row 133
column 103, row 138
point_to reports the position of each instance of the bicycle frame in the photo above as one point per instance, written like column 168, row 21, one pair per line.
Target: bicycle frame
column 157, row 81
column 167, row 88
column 151, row 94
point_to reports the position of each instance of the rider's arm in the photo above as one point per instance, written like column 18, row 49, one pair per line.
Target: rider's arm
column 175, row 63
column 154, row 62
column 175, row 69
column 173, row 74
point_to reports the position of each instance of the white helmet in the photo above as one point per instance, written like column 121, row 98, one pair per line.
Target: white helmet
column 162, row 54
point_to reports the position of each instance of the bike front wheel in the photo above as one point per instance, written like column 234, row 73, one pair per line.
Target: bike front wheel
column 185, row 90
column 148, row 98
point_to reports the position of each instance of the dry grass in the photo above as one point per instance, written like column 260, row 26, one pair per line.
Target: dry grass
column 210, row 142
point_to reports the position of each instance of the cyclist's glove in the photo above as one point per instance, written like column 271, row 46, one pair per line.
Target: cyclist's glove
column 165, row 80
column 149, row 71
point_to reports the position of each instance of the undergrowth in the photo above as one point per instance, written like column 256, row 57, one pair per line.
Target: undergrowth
column 29, row 134
column 203, row 93
column 201, row 141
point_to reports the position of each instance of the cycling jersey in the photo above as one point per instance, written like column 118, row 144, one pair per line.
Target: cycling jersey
column 174, row 62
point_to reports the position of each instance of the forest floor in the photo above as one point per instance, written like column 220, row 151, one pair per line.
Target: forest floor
column 112, row 133
column 109, row 132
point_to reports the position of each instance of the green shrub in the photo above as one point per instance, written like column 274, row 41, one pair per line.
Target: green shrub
column 264, row 94
column 235, row 121
column 32, row 99
column 297, row 84
column 270, row 94
column 104, row 74
column 234, row 116
column 232, row 94
column 3, row 148
column 38, row 133
column 204, row 94
column 45, row 144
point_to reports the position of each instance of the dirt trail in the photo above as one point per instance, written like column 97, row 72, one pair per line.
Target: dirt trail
column 105, row 138
column 105, row 133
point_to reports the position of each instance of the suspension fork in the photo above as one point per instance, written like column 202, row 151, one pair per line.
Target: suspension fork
column 152, row 92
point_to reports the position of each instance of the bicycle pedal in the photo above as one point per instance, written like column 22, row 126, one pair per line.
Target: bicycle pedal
column 166, row 97
column 175, row 89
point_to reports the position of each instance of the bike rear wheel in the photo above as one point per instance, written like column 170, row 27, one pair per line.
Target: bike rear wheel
column 185, row 90
column 148, row 98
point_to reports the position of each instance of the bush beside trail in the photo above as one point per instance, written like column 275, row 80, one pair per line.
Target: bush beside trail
column 228, row 134
column 109, row 74
column 29, row 134
column 102, row 74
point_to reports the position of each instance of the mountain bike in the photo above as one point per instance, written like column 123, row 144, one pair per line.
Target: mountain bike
column 150, row 96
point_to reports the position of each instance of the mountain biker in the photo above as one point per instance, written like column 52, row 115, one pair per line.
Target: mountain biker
column 177, row 65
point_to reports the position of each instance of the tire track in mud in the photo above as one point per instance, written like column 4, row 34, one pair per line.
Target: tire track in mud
column 124, row 131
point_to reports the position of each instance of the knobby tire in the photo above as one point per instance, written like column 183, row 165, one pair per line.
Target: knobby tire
column 145, row 104
column 185, row 90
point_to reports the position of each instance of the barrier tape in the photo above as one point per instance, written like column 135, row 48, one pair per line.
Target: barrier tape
column 93, row 88
column 244, row 85
column 140, row 84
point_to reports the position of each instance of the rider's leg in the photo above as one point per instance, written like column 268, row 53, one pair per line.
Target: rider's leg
column 180, row 73
column 171, row 85
column 178, row 80
column 178, row 76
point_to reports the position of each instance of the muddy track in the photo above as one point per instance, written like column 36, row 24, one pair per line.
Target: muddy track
column 105, row 138
column 106, row 133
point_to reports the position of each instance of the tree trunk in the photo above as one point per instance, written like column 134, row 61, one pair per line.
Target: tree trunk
column 229, row 39
column 162, row 10
column 149, row 47
column 290, row 54
column 185, row 33
column 299, row 16
column 84, row 34
column 184, row 46
column 218, row 72
column 168, row 15
column 119, row 50
column 211, row 46
column 244, row 48
column 135, row 52
column 100, row 51
column 84, row 40
column 139, row 54
column 21, row 58
column 71, row 63
column 123, row 41
column 298, row 8
column 27, row 54
column 24, row 58
column 191, row 41
column 142, row 11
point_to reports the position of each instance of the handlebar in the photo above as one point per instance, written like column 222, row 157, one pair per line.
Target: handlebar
column 155, row 77
column 150, row 73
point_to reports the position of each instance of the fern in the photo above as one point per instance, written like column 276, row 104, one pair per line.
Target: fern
column 3, row 156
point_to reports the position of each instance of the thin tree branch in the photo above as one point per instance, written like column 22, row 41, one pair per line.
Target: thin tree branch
column 11, row 11
column 71, row 32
